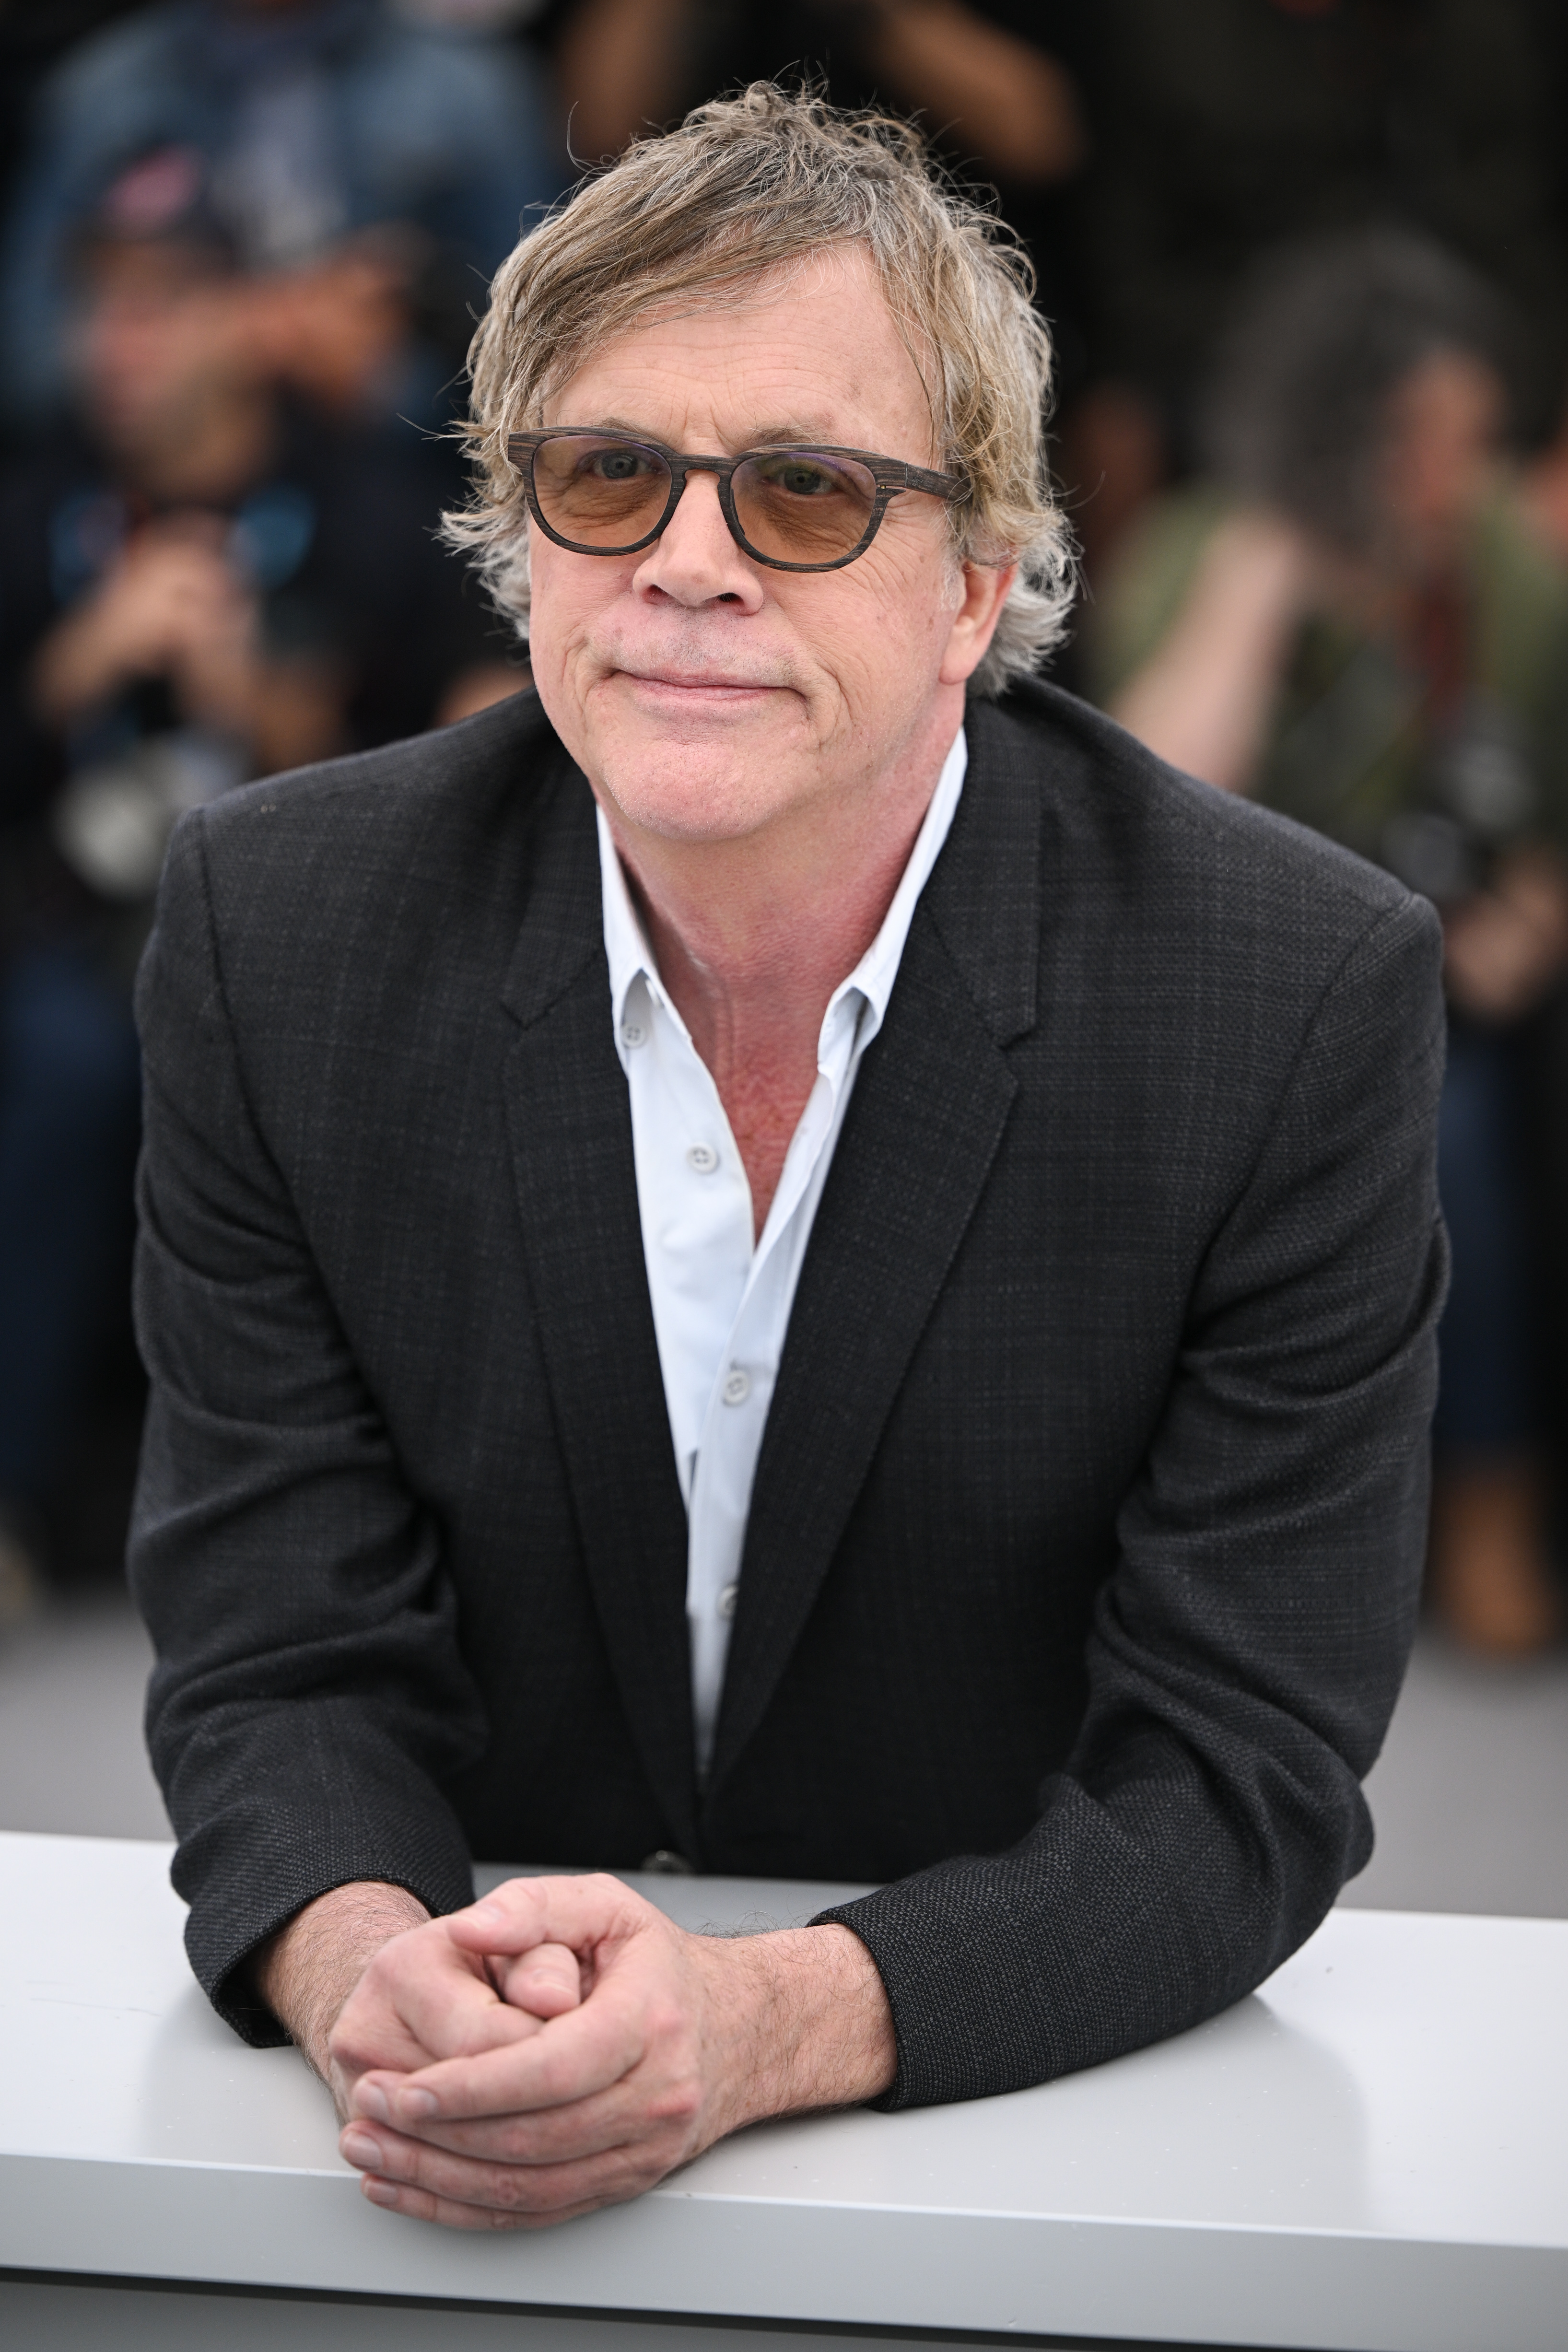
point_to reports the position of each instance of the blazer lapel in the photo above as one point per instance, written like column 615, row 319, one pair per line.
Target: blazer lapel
column 929, row 1107
column 570, row 1129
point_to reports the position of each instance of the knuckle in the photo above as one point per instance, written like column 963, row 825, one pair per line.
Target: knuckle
column 494, row 2220
column 511, row 2189
column 665, row 2017
column 635, row 2170
column 679, row 2103
column 520, row 1895
column 349, row 2050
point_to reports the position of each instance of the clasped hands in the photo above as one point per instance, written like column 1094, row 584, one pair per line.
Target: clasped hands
column 561, row 2046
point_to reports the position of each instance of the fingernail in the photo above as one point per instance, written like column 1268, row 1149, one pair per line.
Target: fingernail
column 486, row 1915
column 380, row 2192
column 360, row 2148
column 370, row 2100
column 416, row 2105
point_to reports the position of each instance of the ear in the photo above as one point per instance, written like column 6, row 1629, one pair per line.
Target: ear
column 985, row 591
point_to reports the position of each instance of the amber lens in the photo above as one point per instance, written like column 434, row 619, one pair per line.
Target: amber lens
column 803, row 506
column 599, row 491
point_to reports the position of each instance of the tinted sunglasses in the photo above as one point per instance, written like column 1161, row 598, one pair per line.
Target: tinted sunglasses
column 797, row 509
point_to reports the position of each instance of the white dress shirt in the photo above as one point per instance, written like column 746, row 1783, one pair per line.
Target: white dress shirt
column 721, row 1303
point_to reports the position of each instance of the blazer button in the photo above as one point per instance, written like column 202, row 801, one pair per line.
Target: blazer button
column 665, row 1864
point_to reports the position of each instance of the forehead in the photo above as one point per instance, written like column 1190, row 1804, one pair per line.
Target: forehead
column 1449, row 373
column 811, row 350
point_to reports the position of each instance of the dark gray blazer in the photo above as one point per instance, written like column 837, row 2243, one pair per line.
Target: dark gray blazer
column 1088, row 1526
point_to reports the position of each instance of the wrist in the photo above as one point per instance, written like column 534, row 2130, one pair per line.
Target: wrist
column 808, row 2023
column 307, row 1971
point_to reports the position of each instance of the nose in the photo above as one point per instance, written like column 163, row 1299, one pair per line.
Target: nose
column 694, row 560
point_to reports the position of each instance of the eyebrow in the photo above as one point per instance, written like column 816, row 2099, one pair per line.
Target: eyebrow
column 794, row 432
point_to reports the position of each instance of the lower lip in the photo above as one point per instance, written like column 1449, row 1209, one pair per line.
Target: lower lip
column 696, row 697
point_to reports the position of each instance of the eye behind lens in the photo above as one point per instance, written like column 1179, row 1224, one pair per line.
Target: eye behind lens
column 599, row 489
column 805, row 506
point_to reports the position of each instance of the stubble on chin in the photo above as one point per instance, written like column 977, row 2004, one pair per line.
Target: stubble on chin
column 709, row 775
column 703, row 791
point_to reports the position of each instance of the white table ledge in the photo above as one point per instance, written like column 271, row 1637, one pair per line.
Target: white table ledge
column 1370, row 2155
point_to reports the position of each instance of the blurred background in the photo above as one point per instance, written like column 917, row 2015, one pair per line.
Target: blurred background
column 1306, row 262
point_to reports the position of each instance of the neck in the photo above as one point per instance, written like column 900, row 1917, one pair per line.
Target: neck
column 752, row 936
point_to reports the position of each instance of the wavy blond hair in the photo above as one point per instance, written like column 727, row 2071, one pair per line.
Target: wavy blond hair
column 753, row 184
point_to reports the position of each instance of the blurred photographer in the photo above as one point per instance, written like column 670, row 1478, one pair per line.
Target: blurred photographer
column 1352, row 621
column 200, row 583
column 344, row 137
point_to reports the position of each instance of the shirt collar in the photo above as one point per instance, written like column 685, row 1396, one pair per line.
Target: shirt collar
column 879, row 967
column 627, row 949
column 631, row 958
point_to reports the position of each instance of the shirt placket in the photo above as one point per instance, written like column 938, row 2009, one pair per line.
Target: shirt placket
column 742, row 1391
column 721, row 1307
column 695, row 1209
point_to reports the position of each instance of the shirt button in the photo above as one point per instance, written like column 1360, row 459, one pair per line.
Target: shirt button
column 727, row 1599
column 704, row 1158
column 737, row 1385
column 634, row 1032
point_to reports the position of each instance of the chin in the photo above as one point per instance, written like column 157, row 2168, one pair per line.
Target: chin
column 681, row 794
column 706, row 782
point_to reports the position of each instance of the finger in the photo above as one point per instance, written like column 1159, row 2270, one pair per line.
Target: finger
column 412, row 1983
column 383, row 2052
column 547, row 1981
column 371, row 2036
column 609, row 2119
column 420, row 1999
column 449, row 2022
column 617, row 2172
column 372, row 2062
column 445, row 1997
column 568, row 2059
column 525, row 1911
column 419, row 2205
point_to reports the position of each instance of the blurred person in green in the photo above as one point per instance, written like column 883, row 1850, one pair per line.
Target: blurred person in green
column 1352, row 619
column 1223, row 129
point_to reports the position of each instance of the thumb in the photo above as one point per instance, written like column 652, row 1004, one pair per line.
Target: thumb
column 580, row 1913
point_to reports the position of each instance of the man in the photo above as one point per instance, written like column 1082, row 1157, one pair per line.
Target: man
column 755, row 1261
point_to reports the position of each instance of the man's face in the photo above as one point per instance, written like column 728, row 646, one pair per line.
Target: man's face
column 1443, row 428
column 153, row 344
column 705, row 695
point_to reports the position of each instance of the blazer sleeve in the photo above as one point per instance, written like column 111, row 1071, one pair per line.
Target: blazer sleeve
column 309, row 1695
column 1247, row 1649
